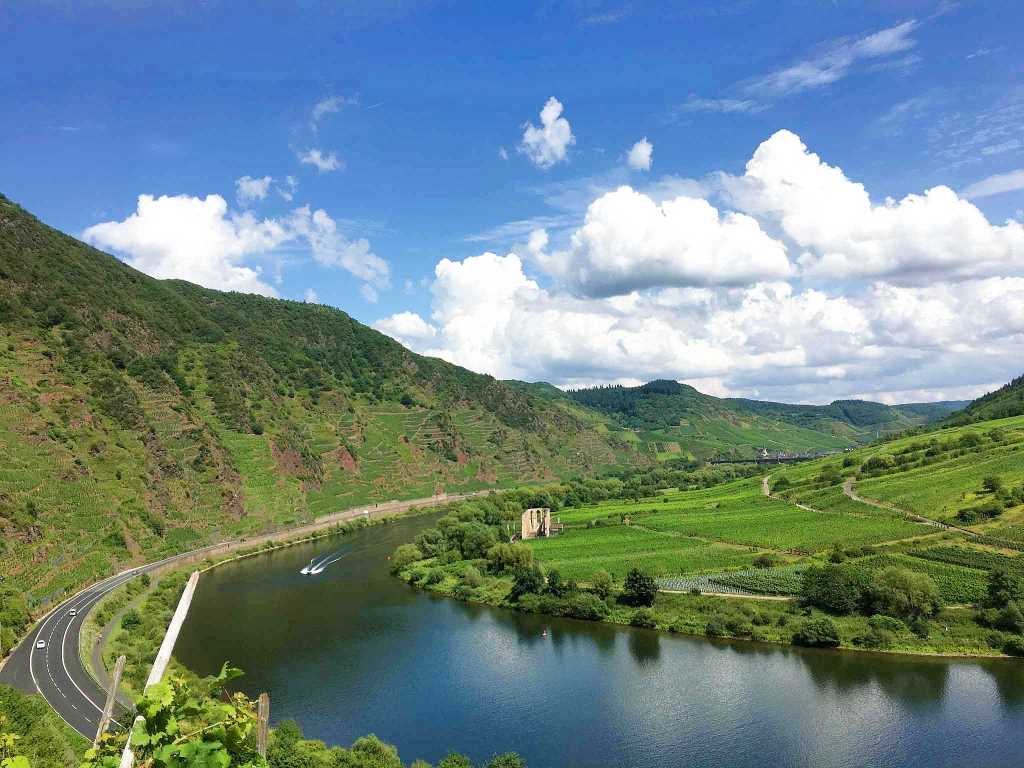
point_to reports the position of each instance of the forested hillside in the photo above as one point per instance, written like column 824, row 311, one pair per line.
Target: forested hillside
column 1006, row 401
column 139, row 417
column 860, row 420
column 679, row 419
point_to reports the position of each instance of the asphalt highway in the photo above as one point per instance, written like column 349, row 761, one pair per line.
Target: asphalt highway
column 56, row 671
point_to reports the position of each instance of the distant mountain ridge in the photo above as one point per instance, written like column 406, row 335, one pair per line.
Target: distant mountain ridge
column 704, row 425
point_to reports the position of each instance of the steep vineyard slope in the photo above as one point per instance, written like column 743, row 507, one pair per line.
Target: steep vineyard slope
column 140, row 417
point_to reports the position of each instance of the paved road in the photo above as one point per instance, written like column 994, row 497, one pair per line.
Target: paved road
column 56, row 670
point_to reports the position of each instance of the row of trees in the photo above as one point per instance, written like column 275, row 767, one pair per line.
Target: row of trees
column 898, row 598
column 895, row 598
column 1004, row 609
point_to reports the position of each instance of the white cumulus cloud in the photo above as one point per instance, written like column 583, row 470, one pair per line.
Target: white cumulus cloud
column 201, row 240
column 192, row 238
column 323, row 162
column 332, row 248
column 408, row 328
column 548, row 144
column 310, row 296
column 287, row 191
column 639, row 157
column 248, row 189
column 630, row 242
column 795, row 285
column 770, row 339
column 844, row 234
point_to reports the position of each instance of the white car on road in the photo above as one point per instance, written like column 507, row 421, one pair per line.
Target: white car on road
column 40, row 643
column 73, row 612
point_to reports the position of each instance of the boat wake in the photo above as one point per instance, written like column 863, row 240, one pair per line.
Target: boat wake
column 317, row 565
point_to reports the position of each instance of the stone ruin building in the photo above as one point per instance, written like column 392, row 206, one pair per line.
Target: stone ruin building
column 536, row 523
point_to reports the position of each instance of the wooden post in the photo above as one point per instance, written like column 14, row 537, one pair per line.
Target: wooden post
column 163, row 657
column 108, row 708
column 262, row 724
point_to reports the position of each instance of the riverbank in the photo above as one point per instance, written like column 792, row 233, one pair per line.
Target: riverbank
column 953, row 633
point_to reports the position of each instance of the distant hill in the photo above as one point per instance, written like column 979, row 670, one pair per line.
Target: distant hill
column 1006, row 401
column 679, row 418
column 858, row 419
column 139, row 417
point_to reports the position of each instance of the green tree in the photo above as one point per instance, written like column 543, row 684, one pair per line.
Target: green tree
column 602, row 585
column 526, row 580
column 404, row 556
column 431, row 542
column 1011, row 619
column 8, row 749
column 183, row 726
column 1003, row 588
column 556, row 587
column 639, row 589
column 817, row 633
column 838, row 589
column 582, row 605
column 471, row 577
column 905, row 594
column 369, row 752
column 992, row 483
column 508, row 760
column 477, row 539
column 508, row 557
column 281, row 750
column 130, row 620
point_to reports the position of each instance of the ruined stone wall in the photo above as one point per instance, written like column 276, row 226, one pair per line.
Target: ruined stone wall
column 535, row 523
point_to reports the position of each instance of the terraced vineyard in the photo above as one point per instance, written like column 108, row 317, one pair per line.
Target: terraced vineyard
column 978, row 559
column 141, row 417
column 782, row 580
column 940, row 472
column 618, row 549
column 933, row 475
column 956, row 584
column 688, row 533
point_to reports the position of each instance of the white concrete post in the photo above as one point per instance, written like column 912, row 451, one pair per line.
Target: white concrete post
column 108, row 708
column 163, row 657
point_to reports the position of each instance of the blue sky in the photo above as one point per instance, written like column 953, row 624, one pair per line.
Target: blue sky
column 424, row 146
